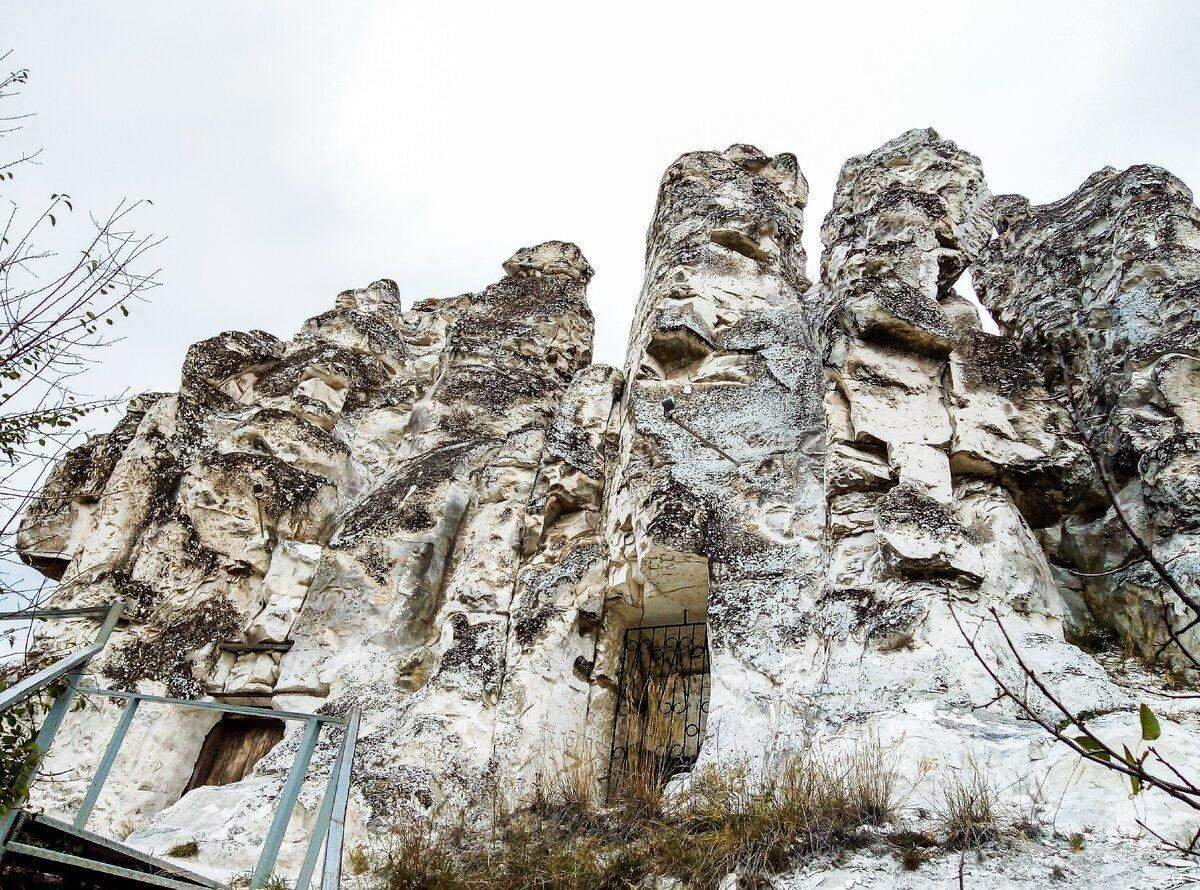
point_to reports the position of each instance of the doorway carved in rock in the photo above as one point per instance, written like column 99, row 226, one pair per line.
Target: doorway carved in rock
column 233, row 747
column 661, row 704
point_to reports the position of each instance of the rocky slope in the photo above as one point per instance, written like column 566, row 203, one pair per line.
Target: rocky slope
column 447, row 516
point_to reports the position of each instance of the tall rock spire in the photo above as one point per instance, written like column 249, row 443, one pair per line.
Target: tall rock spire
column 715, row 509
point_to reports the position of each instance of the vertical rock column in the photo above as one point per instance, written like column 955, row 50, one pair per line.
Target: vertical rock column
column 716, row 505
column 943, row 445
column 542, row 716
column 204, row 513
column 906, row 220
column 946, row 453
column 411, row 611
column 1107, row 280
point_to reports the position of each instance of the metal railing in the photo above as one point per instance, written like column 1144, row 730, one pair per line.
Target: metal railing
column 329, row 831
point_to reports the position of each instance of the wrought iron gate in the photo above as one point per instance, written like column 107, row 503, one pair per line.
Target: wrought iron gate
column 662, row 703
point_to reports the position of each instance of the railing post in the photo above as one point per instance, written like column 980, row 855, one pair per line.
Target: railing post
column 321, row 828
column 286, row 805
column 45, row 736
column 54, row 717
column 110, row 621
column 110, row 755
column 331, row 875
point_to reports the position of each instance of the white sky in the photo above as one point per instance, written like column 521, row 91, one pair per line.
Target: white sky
column 293, row 150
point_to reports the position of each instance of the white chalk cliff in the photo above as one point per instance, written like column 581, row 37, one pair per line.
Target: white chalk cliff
column 447, row 516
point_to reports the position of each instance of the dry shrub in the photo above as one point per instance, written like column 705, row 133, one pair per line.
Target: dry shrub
column 969, row 812
column 186, row 850
column 801, row 805
column 570, row 795
column 753, row 821
column 528, row 852
column 418, row 859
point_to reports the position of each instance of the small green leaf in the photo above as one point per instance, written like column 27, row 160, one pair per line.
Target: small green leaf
column 1092, row 746
column 1151, row 729
column 1135, row 782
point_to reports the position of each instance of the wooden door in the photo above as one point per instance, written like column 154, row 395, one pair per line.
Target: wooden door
column 233, row 747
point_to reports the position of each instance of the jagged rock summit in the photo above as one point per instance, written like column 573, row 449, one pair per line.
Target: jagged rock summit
column 779, row 514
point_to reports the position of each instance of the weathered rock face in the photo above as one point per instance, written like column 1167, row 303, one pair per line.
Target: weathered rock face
column 448, row 517
column 1103, row 285
column 715, row 506
column 939, row 433
column 408, row 500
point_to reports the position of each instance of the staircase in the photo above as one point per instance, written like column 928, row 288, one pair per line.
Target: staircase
column 44, row 852
column 38, row 851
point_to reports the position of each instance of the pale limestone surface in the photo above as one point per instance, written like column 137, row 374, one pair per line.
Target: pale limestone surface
column 716, row 501
column 1105, row 282
column 453, row 516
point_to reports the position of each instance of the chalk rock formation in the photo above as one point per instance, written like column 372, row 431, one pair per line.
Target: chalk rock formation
column 1103, row 285
column 812, row 495
column 715, row 505
column 397, row 504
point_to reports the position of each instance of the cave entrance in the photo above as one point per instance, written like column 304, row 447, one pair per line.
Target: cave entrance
column 233, row 747
column 661, row 707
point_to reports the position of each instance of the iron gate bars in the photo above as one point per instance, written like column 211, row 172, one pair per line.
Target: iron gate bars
column 662, row 703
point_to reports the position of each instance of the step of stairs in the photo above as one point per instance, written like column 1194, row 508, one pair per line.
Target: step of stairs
column 44, row 853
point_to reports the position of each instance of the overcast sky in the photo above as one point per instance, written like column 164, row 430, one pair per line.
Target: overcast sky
column 293, row 150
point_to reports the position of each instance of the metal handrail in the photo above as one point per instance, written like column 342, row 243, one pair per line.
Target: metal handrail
column 55, row 613
column 246, row 710
column 36, row 682
column 72, row 667
column 330, row 827
column 331, row 878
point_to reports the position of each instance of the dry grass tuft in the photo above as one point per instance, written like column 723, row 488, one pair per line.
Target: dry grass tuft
column 418, row 859
column 753, row 822
column 274, row 882
column 570, row 796
column 970, row 813
column 912, row 848
column 357, row 861
column 186, row 850
column 911, row 858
